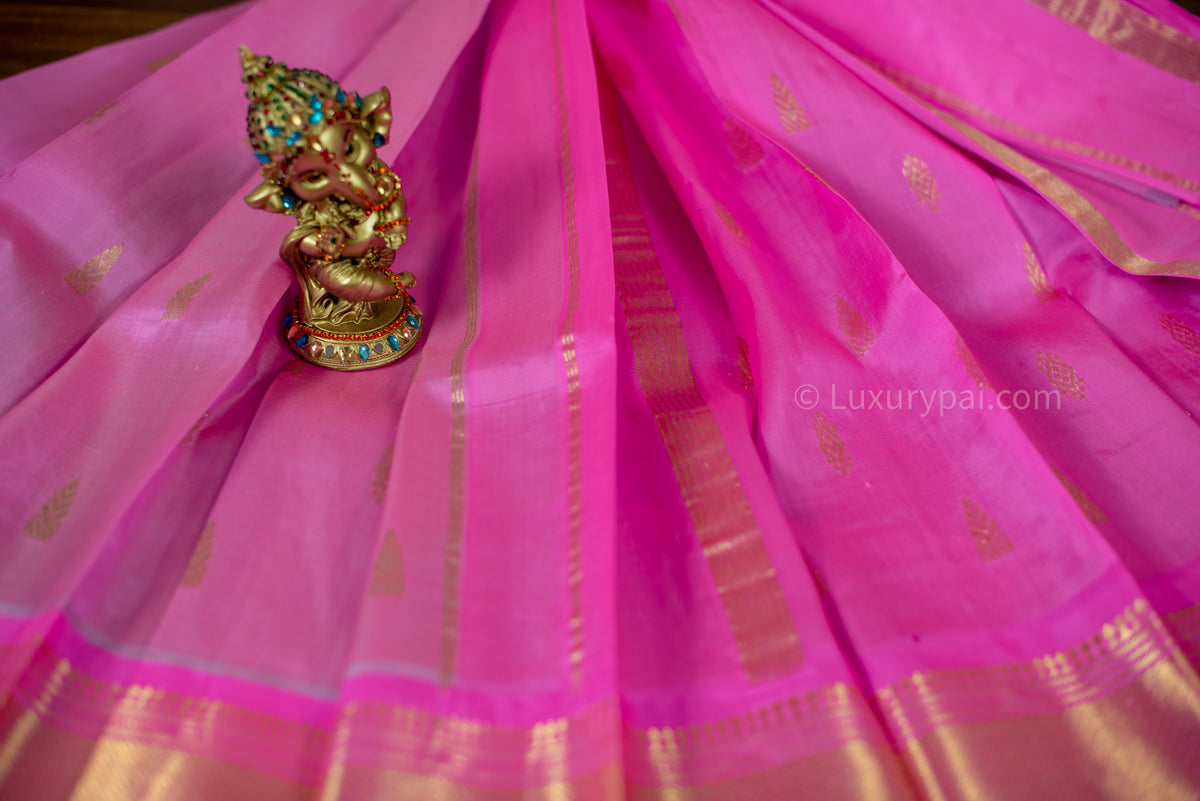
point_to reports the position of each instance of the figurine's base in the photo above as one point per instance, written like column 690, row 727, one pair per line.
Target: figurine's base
column 361, row 351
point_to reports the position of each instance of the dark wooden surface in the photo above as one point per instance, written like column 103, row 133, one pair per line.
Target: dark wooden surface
column 33, row 33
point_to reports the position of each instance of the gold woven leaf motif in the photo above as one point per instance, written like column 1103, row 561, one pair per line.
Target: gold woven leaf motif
column 745, row 374
column 178, row 305
column 83, row 279
column 1181, row 333
column 791, row 116
column 921, row 182
column 382, row 471
column 858, row 335
column 387, row 573
column 832, row 445
column 1089, row 509
column 727, row 219
column 1061, row 375
column 990, row 541
column 197, row 566
column 969, row 362
column 747, row 152
column 43, row 525
column 1037, row 277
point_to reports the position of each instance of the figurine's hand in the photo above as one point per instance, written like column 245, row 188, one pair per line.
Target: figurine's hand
column 332, row 241
column 395, row 237
column 364, row 237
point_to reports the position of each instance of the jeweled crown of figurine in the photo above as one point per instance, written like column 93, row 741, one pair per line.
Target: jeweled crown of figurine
column 316, row 143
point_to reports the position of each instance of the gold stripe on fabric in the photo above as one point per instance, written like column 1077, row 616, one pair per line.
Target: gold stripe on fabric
column 603, row 785
column 1133, row 744
column 116, row 769
column 761, row 623
column 1122, row 649
column 571, row 366
column 844, row 751
column 1074, row 205
column 856, row 771
column 553, row 756
column 1131, row 31
column 456, row 512
column 16, row 741
column 1133, row 732
column 940, row 96
column 1118, row 705
column 17, row 738
column 139, row 711
column 61, row 764
column 149, row 734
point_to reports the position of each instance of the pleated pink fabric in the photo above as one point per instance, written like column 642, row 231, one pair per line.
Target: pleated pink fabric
column 806, row 410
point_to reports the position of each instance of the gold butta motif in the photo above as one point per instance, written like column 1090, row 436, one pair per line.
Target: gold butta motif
column 316, row 143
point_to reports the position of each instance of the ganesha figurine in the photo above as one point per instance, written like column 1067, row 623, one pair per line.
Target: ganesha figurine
column 317, row 143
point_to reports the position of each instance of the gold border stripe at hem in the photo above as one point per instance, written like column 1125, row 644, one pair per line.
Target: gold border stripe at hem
column 1137, row 742
column 136, row 713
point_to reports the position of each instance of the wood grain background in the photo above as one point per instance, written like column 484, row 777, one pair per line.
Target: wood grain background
column 35, row 33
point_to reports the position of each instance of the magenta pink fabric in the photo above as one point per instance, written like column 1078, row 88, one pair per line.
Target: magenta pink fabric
column 806, row 409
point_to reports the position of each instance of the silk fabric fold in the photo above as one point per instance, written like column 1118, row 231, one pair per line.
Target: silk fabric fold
column 806, row 410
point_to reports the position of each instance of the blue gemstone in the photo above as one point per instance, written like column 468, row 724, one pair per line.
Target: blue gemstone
column 395, row 343
column 315, row 102
column 378, row 140
column 364, row 352
column 287, row 322
column 314, row 117
column 274, row 130
column 302, row 340
column 293, row 137
column 341, row 96
column 263, row 157
column 357, row 100
column 412, row 321
column 289, row 201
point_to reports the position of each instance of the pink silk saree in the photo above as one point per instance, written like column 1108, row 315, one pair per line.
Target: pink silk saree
column 807, row 410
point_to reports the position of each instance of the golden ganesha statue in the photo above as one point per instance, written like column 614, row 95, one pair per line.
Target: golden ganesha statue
column 317, row 143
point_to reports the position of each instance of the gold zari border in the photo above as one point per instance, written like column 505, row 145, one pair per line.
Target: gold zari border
column 927, row 91
column 1131, row 31
column 1136, row 743
column 1118, row 717
column 1131, row 745
column 570, row 366
column 456, row 502
column 759, row 620
column 1074, row 205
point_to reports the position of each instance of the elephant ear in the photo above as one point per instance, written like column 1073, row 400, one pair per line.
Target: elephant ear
column 377, row 115
column 267, row 196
